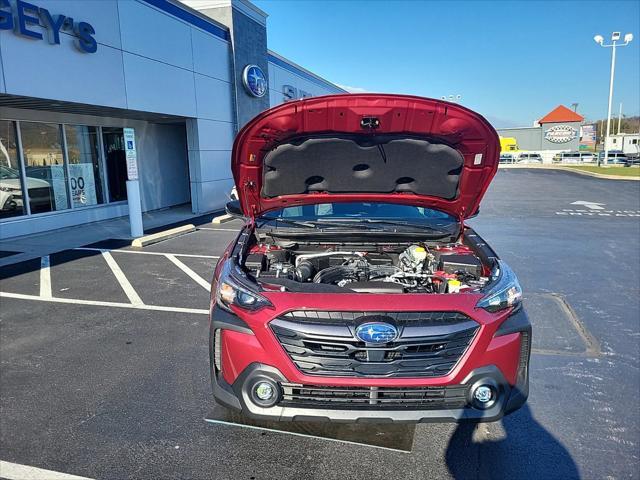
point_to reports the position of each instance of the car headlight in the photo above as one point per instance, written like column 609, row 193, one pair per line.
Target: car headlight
column 234, row 288
column 505, row 292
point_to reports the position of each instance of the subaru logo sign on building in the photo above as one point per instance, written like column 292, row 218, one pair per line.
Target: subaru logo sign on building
column 376, row 332
column 560, row 134
column 254, row 80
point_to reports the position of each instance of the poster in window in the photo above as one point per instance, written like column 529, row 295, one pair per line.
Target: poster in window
column 59, row 186
column 83, row 184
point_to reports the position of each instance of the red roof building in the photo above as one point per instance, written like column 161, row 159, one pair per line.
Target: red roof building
column 561, row 114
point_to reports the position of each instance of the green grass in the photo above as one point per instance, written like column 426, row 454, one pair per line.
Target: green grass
column 623, row 171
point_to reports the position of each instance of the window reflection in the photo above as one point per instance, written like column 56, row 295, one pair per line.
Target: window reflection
column 44, row 165
column 11, row 188
column 85, row 171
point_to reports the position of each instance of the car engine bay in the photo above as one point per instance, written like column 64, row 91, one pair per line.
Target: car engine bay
column 378, row 268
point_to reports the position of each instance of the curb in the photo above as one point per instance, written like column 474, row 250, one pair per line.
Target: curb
column 572, row 170
column 160, row 236
column 222, row 219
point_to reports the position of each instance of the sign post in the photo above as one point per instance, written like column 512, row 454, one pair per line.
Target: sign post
column 133, row 185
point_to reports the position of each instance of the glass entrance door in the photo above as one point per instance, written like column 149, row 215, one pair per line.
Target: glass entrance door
column 113, row 140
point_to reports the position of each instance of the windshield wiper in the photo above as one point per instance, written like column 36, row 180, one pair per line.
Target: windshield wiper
column 401, row 223
column 317, row 224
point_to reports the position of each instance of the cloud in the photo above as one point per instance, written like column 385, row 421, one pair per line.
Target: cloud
column 352, row 89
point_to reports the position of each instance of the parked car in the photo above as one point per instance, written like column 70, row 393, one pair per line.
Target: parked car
column 507, row 158
column 615, row 157
column 574, row 157
column 567, row 157
column 11, row 195
column 529, row 158
column 355, row 291
column 588, row 157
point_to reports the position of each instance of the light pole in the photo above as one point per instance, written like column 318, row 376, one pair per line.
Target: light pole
column 452, row 98
column 599, row 39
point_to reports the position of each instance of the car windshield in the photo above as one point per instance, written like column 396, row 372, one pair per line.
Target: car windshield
column 8, row 173
column 378, row 216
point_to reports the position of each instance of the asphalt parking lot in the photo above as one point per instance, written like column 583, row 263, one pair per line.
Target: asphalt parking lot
column 104, row 362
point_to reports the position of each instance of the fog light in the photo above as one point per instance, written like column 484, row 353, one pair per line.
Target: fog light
column 483, row 394
column 264, row 391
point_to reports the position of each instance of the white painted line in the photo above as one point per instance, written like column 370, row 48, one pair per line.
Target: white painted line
column 15, row 471
column 132, row 295
column 98, row 303
column 163, row 254
column 45, row 277
column 194, row 276
column 220, row 229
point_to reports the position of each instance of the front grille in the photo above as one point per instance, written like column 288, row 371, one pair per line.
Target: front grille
column 429, row 344
column 40, row 193
column 378, row 398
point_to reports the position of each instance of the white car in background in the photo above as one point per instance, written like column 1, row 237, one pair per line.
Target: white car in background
column 11, row 197
column 532, row 158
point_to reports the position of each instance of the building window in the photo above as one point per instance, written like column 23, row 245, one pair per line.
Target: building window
column 634, row 141
column 85, row 168
column 11, row 186
column 44, row 166
column 114, row 153
column 613, row 140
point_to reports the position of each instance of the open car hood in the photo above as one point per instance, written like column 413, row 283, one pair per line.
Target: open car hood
column 365, row 148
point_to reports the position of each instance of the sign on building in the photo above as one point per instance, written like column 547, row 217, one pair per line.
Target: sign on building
column 587, row 136
column 560, row 134
column 130, row 153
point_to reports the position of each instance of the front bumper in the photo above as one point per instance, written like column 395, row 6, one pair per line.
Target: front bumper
column 508, row 375
column 238, row 397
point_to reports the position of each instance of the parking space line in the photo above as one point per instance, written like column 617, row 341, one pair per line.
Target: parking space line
column 219, row 229
column 45, row 277
column 157, row 308
column 191, row 255
column 132, row 295
column 15, row 471
column 193, row 275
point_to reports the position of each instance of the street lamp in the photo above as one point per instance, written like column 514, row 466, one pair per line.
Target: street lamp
column 599, row 39
column 452, row 98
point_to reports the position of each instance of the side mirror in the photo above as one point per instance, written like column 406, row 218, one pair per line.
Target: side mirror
column 233, row 208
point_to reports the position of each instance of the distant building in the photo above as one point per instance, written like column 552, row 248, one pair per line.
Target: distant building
column 558, row 131
column 629, row 143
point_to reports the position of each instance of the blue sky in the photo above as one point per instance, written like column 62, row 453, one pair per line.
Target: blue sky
column 511, row 61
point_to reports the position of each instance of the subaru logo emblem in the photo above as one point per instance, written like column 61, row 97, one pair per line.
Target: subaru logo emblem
column 376, row 332
column 254, row 80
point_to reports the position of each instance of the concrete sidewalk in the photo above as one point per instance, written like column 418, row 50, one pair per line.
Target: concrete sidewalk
column 45, row 243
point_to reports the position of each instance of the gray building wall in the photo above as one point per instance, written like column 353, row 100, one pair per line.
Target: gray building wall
column 533, row 138
column 528, row 138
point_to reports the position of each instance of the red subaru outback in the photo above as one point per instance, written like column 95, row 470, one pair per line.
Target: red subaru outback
column 355, row 291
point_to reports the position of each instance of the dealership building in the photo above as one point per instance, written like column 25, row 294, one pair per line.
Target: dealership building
column 95, row 93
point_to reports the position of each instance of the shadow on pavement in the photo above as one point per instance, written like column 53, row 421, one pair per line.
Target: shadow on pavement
column 526, row 450
column 390, row 436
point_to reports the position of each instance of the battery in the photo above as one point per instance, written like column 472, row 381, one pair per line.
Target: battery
column 256, row 262
column 455, row 263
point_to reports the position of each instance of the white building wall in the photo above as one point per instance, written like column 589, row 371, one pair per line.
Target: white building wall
column 147, row 60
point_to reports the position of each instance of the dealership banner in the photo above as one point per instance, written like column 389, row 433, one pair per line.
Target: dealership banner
column 588, row 136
